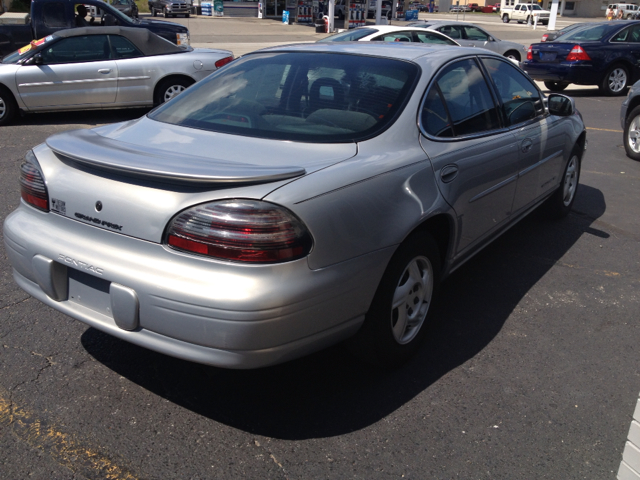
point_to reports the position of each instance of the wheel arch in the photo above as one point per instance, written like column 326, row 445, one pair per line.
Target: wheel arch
column 632, row 104
column 440, row 227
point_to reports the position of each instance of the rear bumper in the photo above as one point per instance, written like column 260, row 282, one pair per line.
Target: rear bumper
column 222, row 314
column 563, row 72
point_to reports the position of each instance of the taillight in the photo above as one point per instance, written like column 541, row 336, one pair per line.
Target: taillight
column 223, row 61
column 240, row 230
column 577, row 53
column 544, row 37
column 32, row 187
column 529, row 53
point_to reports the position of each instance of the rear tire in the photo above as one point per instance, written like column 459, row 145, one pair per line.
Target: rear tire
column 169, row 88
column 632, row 134
column 154, row 12
column 555, row 86
column 398, row 318
column 615, row 81
column 505, row 18
column 8, row 106
column 560, row 203
column 513, row 55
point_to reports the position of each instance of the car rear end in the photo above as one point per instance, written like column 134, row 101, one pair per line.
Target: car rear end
column 190, row 233
column 561, row 62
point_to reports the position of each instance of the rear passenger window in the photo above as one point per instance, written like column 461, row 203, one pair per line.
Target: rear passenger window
column 123, row 48
column 459, row 103
column 519, row 96
column 53, row 15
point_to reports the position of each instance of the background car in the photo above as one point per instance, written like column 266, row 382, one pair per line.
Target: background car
column 603, row 54
column 300, row 196
column 551, row 36
column 390, row 33
column 459, row 8
column 100, row 67
column 470, row 35
column 128, row 7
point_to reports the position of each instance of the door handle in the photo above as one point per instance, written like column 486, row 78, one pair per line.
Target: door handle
column 104, row 70
column 448, row 173
column 526, row 145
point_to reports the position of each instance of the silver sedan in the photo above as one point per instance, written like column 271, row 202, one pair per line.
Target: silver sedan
column 470, row 35
column 300, row 196
column 100, row 67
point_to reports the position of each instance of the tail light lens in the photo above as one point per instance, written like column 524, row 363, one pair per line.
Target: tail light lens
column 240, row 230
column 529, row 53
column 32, row 187
column 577, row 53
column 544, row 37
column 223, row 61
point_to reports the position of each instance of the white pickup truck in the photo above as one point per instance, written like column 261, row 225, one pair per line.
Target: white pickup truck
column 525, row 12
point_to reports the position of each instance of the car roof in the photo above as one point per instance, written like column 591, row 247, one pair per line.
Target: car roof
column 392, row 28
column 146, row 41
column 394, row 50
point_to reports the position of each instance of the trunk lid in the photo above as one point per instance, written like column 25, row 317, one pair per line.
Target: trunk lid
column 132, row 178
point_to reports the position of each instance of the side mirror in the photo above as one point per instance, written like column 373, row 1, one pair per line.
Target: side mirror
column 35, row 60
column 560, row 105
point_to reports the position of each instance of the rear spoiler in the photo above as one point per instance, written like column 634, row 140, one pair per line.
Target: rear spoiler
column 89, row 148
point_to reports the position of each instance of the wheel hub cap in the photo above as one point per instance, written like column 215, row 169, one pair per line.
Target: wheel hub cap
column 173, row 91
column 411, row 299
column 570, row 181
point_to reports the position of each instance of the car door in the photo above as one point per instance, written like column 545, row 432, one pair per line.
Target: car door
column 137, row 74
column 476, row 37
column 540, row 145
column 474, row 158
column 74, row 71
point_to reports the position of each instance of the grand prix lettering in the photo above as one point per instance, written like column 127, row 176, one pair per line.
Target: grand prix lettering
column 97, row 221
column 62, row 258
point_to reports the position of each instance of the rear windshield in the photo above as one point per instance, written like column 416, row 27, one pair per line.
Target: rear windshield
column 590, row 34
column 308, row 97
column 350, row 36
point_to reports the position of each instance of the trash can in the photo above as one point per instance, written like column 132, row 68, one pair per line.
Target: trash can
column 320, row 28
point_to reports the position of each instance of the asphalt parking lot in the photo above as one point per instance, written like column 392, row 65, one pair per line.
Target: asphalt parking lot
column 530, row 372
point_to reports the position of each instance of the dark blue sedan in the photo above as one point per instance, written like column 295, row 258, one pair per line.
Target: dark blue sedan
column 605, row 54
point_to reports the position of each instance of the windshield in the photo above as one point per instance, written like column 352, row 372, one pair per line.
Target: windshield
column 588, row 34
column 349, row 36
column 21, row 53
column 309, row 97
column 122, row 18
column 535, row 7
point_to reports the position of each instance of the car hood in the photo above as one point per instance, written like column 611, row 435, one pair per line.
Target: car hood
column 144, row 172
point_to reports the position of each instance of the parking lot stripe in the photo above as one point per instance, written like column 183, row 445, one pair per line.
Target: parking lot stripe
column 63, row 448
column 604, row 130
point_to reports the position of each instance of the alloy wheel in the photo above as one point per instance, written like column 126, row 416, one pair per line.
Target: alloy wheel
column 3, row 107
column 633, row 137
column 172, row 91
column 617, row 80
column 570, row 181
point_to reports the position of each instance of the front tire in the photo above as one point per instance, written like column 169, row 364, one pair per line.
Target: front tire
column 398, row 318
column 560, row 203
column 154, row 12
column 555, row 86
column 632, row 134
column 615, row 81
column 8, row 106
